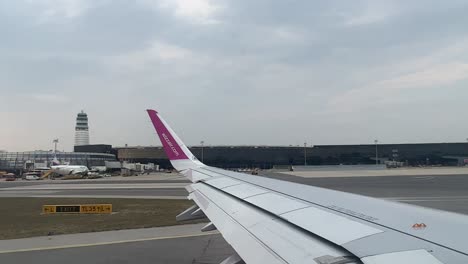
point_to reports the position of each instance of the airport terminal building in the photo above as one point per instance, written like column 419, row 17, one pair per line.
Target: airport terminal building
column 266, row 157
column 18, row 161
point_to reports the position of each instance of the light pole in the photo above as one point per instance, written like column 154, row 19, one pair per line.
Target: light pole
column 305, row 153
column 202, row 154
column 376, row 152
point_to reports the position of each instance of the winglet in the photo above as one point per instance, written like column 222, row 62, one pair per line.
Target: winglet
column 179, row 155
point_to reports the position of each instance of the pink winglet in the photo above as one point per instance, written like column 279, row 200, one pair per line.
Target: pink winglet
column 171, row 147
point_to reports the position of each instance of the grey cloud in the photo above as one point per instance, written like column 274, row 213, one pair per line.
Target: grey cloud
column 265, row 73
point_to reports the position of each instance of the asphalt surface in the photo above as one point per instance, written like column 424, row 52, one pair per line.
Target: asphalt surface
column 183, row 250
column 447, row 192
column 189, row 250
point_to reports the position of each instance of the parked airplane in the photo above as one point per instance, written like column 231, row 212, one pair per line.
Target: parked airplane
column 68, row 169
column 272, row 221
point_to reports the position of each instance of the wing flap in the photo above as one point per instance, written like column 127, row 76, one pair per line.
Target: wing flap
column 335, row 228
column 244, row 190
column 276, row 203
column 195, row 176
column 222, row 182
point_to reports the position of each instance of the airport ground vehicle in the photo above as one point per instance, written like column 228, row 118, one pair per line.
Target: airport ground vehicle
column 32, row 177
column 10, row 177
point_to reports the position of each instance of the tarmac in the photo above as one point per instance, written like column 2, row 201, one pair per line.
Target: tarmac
column 186, row 244
column 178, row 244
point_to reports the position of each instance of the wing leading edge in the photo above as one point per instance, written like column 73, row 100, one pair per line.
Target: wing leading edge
column 271, row 221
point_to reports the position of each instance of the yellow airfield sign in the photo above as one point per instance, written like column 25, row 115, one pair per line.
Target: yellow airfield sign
column 78, row 209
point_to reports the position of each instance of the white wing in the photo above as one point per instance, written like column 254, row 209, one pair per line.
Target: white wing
column 272, row 221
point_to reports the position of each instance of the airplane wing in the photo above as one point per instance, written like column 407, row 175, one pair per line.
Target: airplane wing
column 272, row 221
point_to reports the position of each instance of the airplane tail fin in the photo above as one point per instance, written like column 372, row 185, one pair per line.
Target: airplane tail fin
column 55, row 161
column 180, row 156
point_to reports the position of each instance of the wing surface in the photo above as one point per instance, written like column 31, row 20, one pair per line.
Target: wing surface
column 271, row 221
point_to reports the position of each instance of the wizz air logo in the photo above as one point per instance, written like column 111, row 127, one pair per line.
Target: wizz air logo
column 169, row 143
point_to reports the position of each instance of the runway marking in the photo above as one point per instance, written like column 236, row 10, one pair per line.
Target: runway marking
column 424, row 178
column 105, row 243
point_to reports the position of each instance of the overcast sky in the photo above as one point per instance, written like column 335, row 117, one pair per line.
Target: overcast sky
column 233, row 72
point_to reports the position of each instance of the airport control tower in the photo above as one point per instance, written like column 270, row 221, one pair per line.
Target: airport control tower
column 81, row 129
